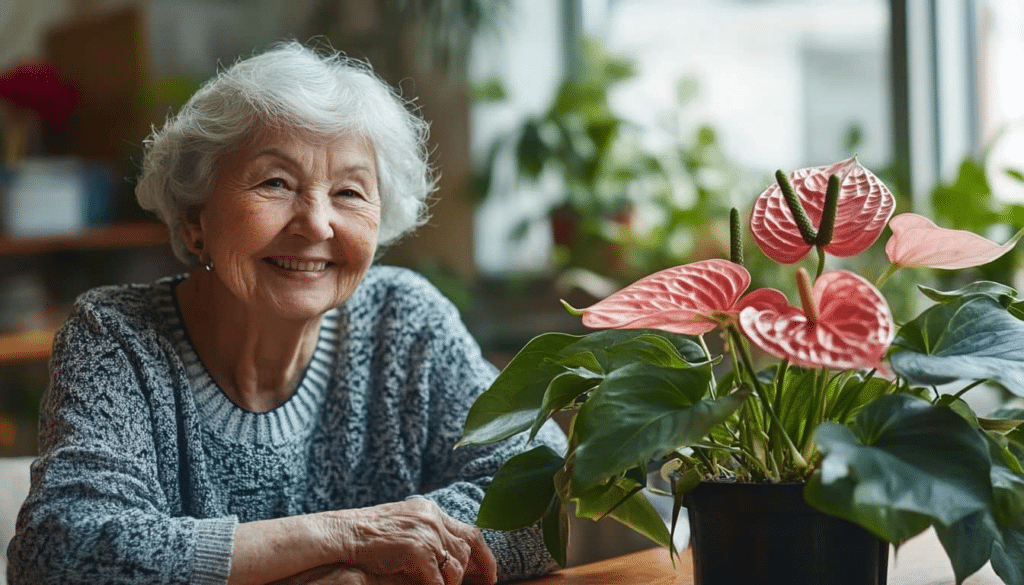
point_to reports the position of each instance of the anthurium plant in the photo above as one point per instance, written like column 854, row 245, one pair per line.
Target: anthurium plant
column 831, row 392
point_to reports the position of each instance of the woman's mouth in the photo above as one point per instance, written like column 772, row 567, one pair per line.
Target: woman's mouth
column 299, row 265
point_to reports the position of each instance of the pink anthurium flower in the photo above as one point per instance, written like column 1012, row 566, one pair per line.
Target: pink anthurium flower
column 688, row 299
column 917, row 241
column 865, row 205
column 846, row 326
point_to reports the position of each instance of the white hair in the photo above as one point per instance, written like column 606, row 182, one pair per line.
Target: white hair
column 293, row 88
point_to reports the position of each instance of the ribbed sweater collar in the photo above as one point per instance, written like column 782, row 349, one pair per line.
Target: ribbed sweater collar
column 290, row 421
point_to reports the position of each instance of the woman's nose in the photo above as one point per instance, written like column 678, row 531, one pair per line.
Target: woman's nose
column 313, row 218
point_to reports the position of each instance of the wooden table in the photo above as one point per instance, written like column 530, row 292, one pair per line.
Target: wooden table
column 648, row 567
column 920, row 561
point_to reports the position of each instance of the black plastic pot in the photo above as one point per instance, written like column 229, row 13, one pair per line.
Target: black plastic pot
column 768, row 534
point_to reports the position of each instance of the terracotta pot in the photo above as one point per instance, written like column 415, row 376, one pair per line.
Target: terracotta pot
column 768, row 534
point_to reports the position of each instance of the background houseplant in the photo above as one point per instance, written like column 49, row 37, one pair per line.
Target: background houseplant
column 623, row 200
column 832, row 393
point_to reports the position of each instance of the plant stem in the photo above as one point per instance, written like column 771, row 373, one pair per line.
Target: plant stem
column 968, row 387
column 705, row 461
column 713, row 384
column 821, row 261
column 760, row 465
column 759, row 390
column 885, row 275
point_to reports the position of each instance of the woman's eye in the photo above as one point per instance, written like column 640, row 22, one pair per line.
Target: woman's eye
column 276, row 183
column 349, row 193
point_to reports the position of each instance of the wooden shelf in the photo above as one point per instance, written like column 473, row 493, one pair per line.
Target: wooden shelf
column 128, row 235
column 25, row 346
column 36, row 345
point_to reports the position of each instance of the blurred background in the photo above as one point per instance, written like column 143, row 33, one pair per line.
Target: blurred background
column 582, row 143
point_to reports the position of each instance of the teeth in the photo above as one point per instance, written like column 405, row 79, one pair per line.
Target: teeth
column 289, row 264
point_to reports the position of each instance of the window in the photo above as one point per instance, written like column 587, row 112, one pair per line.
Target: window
column 1001, row 94
column 782, row 84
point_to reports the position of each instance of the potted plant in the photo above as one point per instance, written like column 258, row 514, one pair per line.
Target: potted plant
column 831, row 396
column 590, row 159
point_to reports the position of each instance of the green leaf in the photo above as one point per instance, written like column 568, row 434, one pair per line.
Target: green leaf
column 563, row 390
column 971, row 338
column 971, row 542
column 959, row 406
column 1016, row 174
column 1016, row 309
column 1007, row 479
column 510, row 405
column 489, row 91
column 513, row 402
column 521, row 490
column 796, row 405
column 531, row 151
column 968, row 543
column 1008, row 555
column 595, row 502
column 555, row 529
column 643, row 411
column 906, row 465
column 638, row 514
column 624, row 501
column 999, row 425
column 1000, row 292
column 689, row 480
column 852, row 395
column 616, row 348
column 967, row 203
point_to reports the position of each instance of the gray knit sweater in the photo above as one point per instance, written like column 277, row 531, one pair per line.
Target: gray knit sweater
column 145, row 465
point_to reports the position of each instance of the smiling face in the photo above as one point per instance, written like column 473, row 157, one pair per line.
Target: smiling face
column 291, row 224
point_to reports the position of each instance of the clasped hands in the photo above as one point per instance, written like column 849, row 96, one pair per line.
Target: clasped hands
column 412, row 542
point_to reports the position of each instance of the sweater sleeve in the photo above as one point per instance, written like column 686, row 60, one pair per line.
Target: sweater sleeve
column 457, row 478
column 97, row 511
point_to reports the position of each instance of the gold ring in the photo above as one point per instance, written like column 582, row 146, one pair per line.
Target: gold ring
column 444, row 563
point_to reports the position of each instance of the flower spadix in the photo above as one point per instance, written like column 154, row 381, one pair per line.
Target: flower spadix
column 864, row 206
column 917, row 241
column 690, row 299
column 847, row 325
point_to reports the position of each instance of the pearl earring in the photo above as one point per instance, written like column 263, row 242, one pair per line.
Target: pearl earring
column 198, row 245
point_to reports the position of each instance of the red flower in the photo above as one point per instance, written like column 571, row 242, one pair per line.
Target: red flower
column 39, row 88
column 865, row 205
column 851, row 330
column 691, row 299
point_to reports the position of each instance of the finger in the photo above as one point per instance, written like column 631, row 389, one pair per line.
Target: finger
column 480, row 560
column 478, row 556
column 431, row 569
column 452, row 570
column 482, row 567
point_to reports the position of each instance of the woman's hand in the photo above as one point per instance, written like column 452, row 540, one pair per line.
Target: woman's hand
column 414, row 539
column 342, row 575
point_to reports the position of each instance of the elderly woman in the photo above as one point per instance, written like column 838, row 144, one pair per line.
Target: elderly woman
column 286, row 410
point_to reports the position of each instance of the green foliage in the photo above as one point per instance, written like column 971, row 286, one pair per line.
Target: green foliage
column 608, row 176
column 642, row 412
column 892, row 472
column 967, row 203
column 638, row 395
column 872, row 451
column 972, row 337
column 521, row 491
